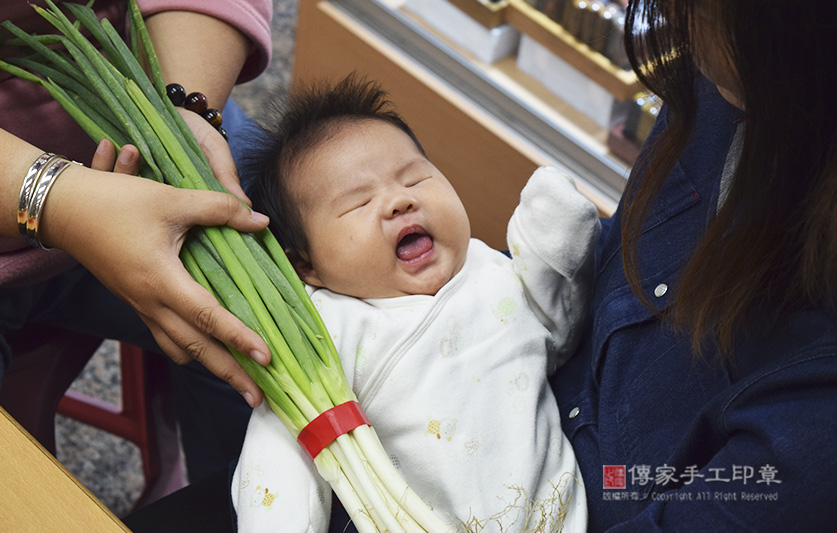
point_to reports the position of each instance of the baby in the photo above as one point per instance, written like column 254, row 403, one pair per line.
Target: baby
column 447, row 343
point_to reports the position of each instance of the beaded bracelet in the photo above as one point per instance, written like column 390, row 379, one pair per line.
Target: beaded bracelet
column 36, row 185
column 197, row 103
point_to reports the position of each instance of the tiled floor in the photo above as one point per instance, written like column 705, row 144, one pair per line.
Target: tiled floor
column 110, row 467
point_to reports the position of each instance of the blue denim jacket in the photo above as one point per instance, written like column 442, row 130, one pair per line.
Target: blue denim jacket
column 667, row 442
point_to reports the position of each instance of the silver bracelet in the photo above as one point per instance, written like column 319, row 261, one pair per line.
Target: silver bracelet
column 36, row 205
column 28, row 187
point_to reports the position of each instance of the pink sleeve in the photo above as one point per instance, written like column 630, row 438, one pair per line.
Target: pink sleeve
column 251, row 17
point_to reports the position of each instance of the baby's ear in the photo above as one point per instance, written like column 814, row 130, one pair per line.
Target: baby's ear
column 304, row 268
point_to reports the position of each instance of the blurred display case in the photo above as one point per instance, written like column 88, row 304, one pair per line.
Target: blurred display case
column 492, row 89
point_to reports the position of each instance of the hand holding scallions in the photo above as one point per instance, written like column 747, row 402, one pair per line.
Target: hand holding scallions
column 136, row 256
column 132, row 246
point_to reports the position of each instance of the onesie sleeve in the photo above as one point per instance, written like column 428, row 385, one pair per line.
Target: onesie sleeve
column 250, row 17
column 275, row 484
column 552, row 237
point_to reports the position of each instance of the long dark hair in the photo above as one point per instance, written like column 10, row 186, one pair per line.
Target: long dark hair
column 773, row 244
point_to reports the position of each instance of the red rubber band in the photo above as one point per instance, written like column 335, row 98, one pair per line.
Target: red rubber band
column 329, row 425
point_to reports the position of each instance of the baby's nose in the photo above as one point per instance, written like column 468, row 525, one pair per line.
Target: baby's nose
column 400, row 204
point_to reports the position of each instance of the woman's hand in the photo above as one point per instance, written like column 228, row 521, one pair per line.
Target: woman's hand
column 218, row 53
column 217, row 152
column 106, row 159
column 214, row 147
column 128, row 232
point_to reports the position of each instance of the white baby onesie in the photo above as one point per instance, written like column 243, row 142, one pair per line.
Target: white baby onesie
column 455, row 384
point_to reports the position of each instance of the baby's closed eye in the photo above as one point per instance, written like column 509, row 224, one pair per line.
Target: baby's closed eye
column 416, row 181
column 355, row 206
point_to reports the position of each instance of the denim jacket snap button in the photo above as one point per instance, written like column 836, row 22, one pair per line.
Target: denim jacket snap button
column 660, row 290
column 574, row 412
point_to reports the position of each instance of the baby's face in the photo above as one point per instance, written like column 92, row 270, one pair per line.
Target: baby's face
column 381, row 220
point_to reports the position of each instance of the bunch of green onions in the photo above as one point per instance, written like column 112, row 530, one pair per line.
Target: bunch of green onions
column 111, row 96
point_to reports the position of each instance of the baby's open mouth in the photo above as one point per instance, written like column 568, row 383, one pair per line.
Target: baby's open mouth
column 413, row 243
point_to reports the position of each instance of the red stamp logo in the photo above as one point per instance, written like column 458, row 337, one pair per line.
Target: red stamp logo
column 613, row 476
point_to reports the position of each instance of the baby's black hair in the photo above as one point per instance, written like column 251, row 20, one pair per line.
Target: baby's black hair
column 294, row 125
